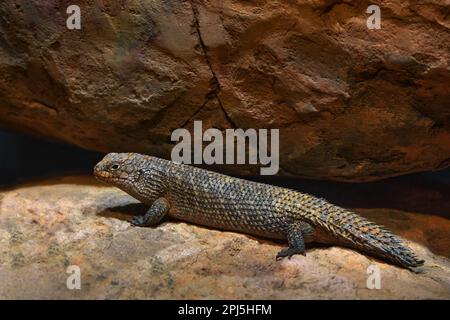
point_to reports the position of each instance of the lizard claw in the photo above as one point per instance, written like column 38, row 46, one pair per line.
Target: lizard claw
column 138, row 221
column 289, row 252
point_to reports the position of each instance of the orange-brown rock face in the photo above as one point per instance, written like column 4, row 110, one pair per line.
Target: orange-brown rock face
column 351, row 103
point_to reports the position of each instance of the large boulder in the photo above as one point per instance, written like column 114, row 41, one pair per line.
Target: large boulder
column 351, row 103
column 47, row 227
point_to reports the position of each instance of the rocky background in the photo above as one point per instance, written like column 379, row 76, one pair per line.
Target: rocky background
column 352, row 104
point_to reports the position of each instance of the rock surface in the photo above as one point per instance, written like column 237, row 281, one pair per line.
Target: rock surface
column 364, row 104
column 46, row 226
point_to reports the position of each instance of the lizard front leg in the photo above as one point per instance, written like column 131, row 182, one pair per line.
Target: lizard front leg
column 297, row 233
column 154, row 215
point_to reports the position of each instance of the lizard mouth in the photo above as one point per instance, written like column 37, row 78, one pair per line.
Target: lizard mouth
column 106, row 176
column 102, row 175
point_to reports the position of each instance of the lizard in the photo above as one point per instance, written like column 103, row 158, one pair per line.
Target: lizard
column 223, row 202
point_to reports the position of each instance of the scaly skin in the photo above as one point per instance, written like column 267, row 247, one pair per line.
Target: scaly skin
column 219, row 201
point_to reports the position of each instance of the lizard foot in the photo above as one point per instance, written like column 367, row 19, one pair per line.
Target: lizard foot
column 139, row 221
column 289, row 252
column 154, row 215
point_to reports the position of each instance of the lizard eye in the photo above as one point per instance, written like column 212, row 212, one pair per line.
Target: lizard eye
column 115, row 167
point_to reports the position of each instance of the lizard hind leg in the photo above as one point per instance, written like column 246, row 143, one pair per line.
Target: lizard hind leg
column 298, row 233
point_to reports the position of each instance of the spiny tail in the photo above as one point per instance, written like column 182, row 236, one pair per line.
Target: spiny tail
column 360, row 233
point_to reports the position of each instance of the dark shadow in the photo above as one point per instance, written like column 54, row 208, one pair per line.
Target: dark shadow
column 28, row 159
column 23, row 158
column 125, row 212
column 77, row 178
column 427, row 192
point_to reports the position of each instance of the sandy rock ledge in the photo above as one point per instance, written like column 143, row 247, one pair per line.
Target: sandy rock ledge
column 45, row 226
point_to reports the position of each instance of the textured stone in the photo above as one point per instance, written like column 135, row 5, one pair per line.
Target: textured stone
column 46, row 226
column 351, row 103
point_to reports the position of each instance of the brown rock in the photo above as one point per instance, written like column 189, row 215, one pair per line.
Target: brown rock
column 46, row 226
column 352, row 104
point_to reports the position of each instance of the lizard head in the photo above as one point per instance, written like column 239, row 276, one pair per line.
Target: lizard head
column 140, row 176
column 122, row 170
